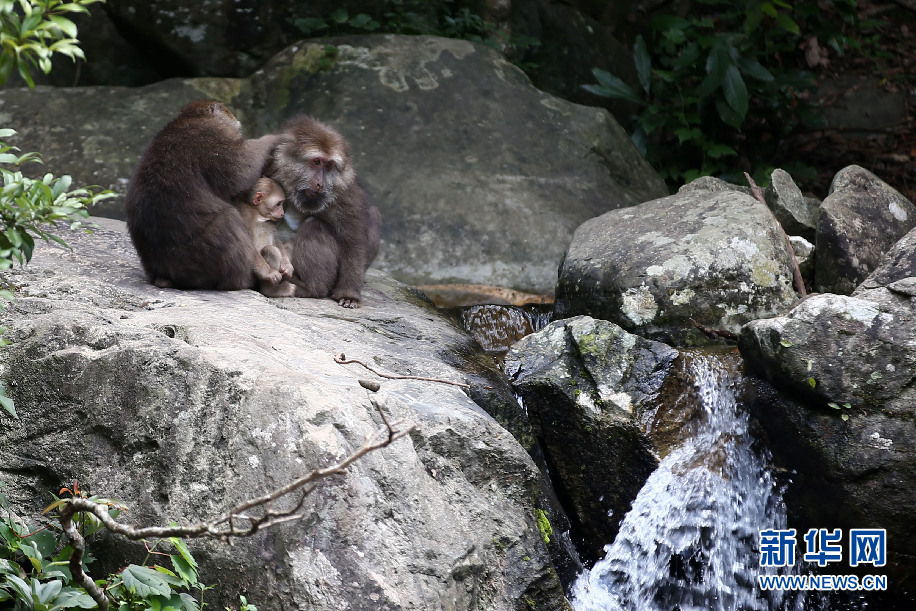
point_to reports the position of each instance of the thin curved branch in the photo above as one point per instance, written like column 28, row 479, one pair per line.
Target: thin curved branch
column 243, row 520
column 342, row 360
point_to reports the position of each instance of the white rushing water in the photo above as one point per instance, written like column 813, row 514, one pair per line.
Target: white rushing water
column 689, row 543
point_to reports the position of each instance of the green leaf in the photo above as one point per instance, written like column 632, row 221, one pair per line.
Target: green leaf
column 717, row 63
column 65, row 25
column 184, row 570
column 717, row 151
column 812, row 382
column 643, row 63
column 728, row 114
column 340, row 16
column 754, row 69
column 785, row 343
column 612, row 87
column 786, row 23
column 7, row 403
column 144, row 581
column 182, row 548
column 735, row 91
column 833, row 405
column 44, row 541
column 845, row 417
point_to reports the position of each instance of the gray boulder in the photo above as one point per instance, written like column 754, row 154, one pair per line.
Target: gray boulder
column 587, row 385
column 717, row 258
column 837, row 349
column 480, row 177
column 182, row 404
column 796, row 213
column 858, row 222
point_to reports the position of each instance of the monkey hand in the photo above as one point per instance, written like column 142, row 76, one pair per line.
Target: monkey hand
column 273, row 278
column 286, row 269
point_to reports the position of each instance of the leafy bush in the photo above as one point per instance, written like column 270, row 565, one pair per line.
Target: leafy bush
column 717, row 89
column 34, row 571
column 31, row 32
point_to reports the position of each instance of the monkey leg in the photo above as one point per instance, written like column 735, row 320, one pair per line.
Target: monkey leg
column 315, row 258
column 277, row 259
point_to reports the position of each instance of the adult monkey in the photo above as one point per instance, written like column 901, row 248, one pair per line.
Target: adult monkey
column 179, row 215
column 339, row 236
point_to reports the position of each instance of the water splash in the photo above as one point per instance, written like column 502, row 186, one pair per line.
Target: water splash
column 690, row 540
column 496, row 327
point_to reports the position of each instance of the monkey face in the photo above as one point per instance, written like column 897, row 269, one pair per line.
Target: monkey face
column 272, row 209
column 312, row 165
column 312, row 179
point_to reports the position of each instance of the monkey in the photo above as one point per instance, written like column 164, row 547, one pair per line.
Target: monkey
column 260, row 211
column 179, row 213
column 339, row 235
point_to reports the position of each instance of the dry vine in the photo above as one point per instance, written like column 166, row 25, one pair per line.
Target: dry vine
column 237, row 522
column 342, row 360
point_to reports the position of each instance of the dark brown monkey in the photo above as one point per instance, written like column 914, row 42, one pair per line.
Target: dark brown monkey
column 261, row 210
column 339, row 236
column 179, row 215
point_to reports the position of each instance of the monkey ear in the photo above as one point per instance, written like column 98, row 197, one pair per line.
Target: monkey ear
column 257, row 199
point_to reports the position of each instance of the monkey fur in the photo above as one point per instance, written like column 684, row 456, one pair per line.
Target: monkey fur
column 338, row 237
column 261, row 211
column 185, row 230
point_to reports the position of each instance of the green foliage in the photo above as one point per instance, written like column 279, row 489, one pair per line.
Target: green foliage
column 244, row 605
column 32, row 31
column 715, row 89
column 34, row 574
column 28, row 205
column 414, row 17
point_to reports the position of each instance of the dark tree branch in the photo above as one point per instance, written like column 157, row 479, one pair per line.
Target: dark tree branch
column 243, row 520
column 715, row 333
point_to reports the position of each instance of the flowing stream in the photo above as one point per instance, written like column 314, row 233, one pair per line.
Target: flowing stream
column 689, row 543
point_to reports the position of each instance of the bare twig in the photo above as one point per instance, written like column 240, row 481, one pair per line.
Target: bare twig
column 342, row 359
column 715, row 333
column 243, row 520
column 796, row 273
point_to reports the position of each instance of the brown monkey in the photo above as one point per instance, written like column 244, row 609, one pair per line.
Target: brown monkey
column 339, row 236
column 261, row 210
column 179, row 215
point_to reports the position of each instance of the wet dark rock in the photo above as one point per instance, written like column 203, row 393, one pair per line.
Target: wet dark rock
column 842, row 412
column 716, row 257
column 587, row 384
column 858, row 473
column 859, row 221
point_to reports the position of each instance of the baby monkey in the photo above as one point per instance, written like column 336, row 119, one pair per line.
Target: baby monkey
column 261, row 211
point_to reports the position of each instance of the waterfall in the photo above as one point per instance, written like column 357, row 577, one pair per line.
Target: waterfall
column 689, row 543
